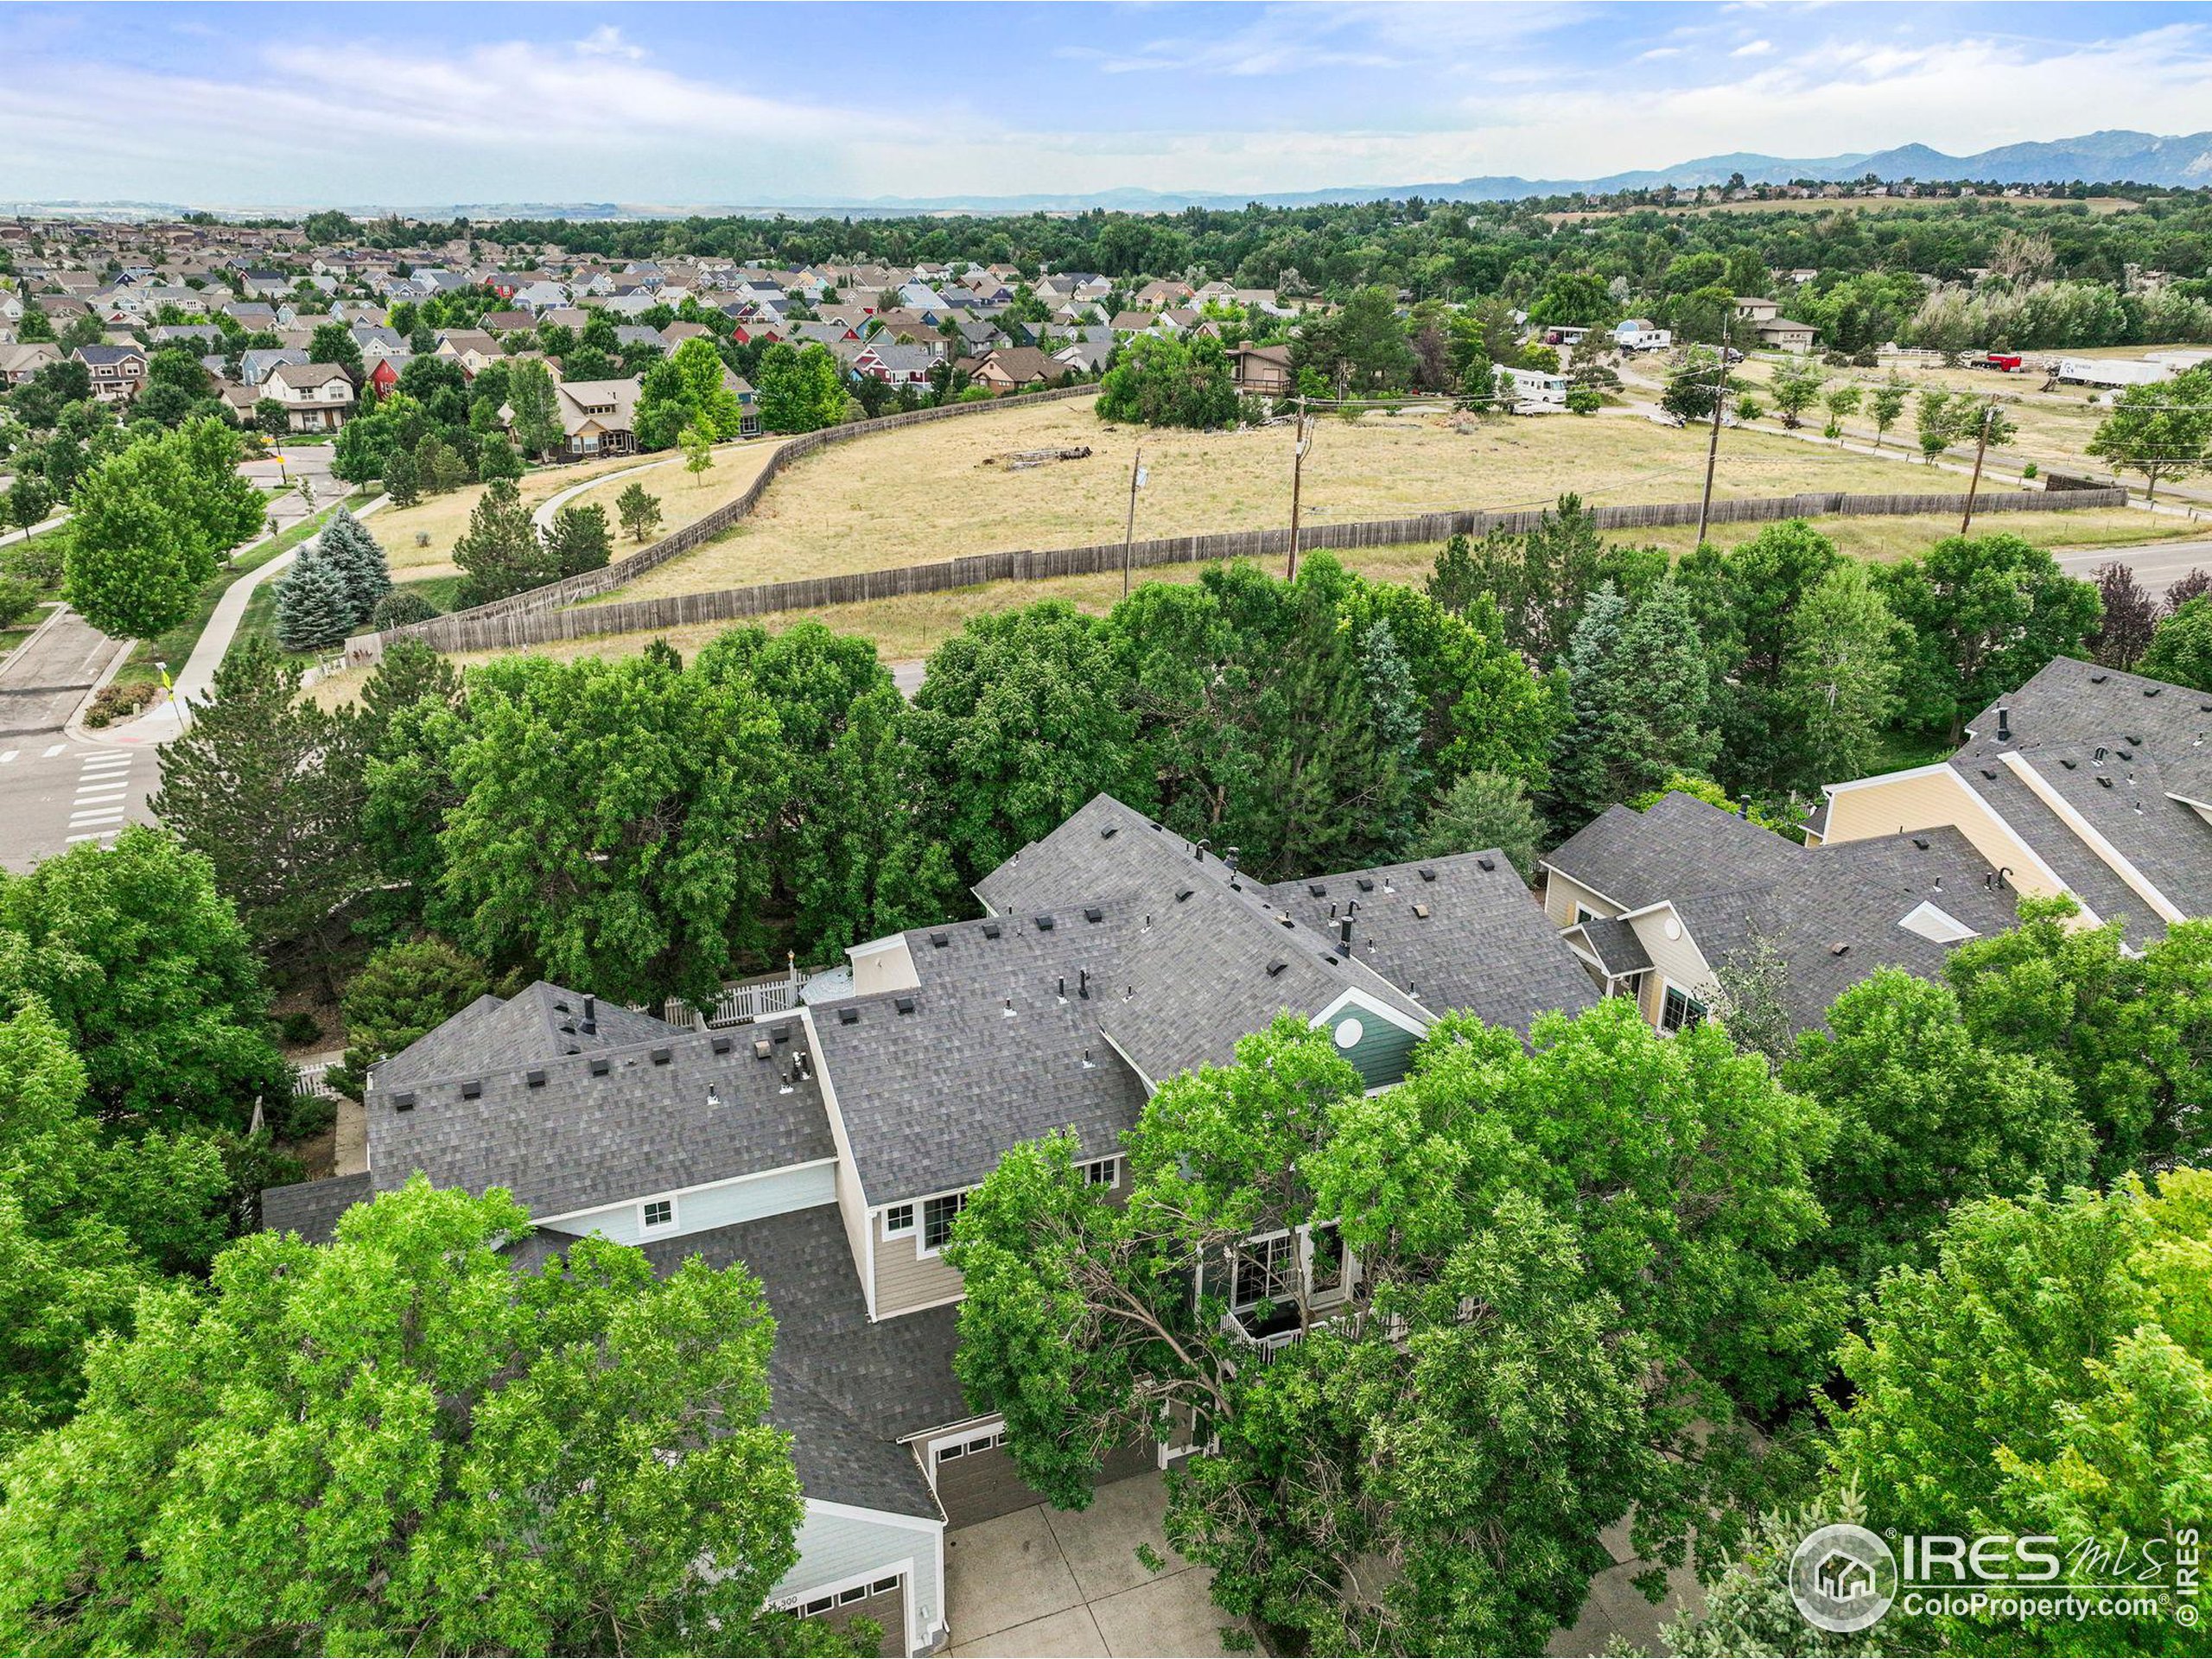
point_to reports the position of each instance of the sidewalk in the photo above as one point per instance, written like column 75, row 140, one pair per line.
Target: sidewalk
column 196, row 682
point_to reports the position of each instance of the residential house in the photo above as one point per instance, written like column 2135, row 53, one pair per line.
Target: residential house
column 1083, row 356
column 1773, row 329
column 894, row 363
column 22, row 363
column 1137, row 322
column 1661, row 905
column 2087, row 781
column 383, row 373
column 473, row 348
column 255, row 365
column 636, row 333
column 377, row 342
column 1017, row 368
column 118, row 372
column 831, row 1149
column 317, row 396
column 511, row 322
column 597, row 417
column 1263, row 371
column 251, row 315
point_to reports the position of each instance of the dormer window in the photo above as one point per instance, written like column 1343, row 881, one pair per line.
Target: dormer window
column 659, row 1213
column 1102, row 1172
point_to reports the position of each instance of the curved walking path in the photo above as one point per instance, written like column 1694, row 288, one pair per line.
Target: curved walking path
column 542, row 520
column 196, row 680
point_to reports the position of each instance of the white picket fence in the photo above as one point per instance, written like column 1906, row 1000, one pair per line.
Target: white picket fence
column 745, row 999
column 307, row 1080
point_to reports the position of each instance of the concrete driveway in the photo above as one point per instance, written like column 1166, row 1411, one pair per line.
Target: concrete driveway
column 1046, row 1582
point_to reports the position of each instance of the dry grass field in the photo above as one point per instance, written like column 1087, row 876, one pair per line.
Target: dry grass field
column 926, row 493
column 437, row 522
column 904, row 630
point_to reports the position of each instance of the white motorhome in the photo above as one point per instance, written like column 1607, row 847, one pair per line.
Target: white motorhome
column 1638, row 334
column 1533, row 386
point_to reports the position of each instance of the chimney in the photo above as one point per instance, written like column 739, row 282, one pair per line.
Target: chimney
column 591, row 1016
column 2004, row 724
column 1344, row 932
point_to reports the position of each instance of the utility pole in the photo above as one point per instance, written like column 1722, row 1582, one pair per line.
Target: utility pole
column 1297, row 478
column 1713, row 444
column 1981, row 447
column 1129, row 530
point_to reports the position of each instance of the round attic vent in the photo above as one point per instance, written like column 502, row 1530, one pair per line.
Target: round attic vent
column 1348, row 1033
column 1672, row 927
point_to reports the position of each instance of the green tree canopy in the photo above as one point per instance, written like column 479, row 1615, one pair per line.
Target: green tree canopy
column 149, row 525
column 402, row 992
column 397, row 1442
column 143, row 961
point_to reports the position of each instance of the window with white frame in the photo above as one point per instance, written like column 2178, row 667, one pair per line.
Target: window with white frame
column 898, row 1220
column 937, row 1216
column 660, row 1213
column 1263, row 1270
column 1102, row 1172
column 1679, row 1009
column 1325, row 1259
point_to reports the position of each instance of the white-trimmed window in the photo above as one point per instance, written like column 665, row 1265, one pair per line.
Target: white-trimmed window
column 898, row 1220
column 1679, row 1009
column 1102, row 1172
column 1264, row 1267
column 659, row 1213
column 937, row 1216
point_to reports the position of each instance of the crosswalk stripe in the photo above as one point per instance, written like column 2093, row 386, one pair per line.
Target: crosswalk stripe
column 101, row 835
column 55, row 750
column 100, row 796
column 121, row 763
column 114, row 817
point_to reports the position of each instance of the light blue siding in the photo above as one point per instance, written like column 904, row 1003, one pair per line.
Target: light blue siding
column 801, row 1187
column 839, row 1548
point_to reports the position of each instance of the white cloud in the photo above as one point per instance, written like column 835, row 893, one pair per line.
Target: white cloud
column 607, row 41
column 1753, row 49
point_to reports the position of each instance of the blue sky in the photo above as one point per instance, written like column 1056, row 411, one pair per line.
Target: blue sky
column 419, row 105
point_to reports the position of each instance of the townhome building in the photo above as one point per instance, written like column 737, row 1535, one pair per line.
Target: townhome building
column 830, row 1148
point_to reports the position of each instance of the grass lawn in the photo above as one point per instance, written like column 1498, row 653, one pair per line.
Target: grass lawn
column 926, row 492
column 173, row 647
column 436, row 522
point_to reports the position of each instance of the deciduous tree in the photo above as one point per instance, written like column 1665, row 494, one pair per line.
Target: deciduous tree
column 151, row 524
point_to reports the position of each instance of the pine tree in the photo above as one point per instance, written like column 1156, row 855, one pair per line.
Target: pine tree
column 1641, row 698
column 400, row 481
column 578, row 540
column 501, row 551
column 346, row 543
column 314, row 606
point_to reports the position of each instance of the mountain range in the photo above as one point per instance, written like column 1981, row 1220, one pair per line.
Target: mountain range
column 2115, row 156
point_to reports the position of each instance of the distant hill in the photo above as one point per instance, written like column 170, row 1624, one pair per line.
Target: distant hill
column 2096, row 157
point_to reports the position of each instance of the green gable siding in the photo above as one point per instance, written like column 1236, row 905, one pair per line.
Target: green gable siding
column 1383, row 1050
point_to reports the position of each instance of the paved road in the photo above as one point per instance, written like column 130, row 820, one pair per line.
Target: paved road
column 43, row 682
column 2157, row 565
column 57, row 793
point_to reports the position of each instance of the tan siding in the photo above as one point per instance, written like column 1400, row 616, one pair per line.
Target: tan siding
column 1924, row 803
column 1678, row 959
column 852, row 1201
column 1562, row 894
column 905, row 1279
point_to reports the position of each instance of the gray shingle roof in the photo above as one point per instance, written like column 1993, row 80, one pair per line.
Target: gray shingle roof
column 1484, row 945
column 576, row 1140
column 930, row 1097
column 1615, row 945
column 311, row 1209
column 1678, row 845
column 846, row 1389
column 1854, row 894
column 542, row 1022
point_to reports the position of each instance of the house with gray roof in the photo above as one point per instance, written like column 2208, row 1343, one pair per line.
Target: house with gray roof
column 2087, row 781
column 830, row 1148
column 1662, row 904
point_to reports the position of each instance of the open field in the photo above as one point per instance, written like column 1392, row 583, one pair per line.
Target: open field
column 924, row 493
column 2102, row 206
column 442, row 519
column 910, row 627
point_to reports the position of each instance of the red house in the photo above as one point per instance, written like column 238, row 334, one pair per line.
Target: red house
column 383, row 377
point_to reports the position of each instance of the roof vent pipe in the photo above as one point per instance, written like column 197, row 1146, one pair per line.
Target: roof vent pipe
column 2004, row 724
column 591, row 1016
column 1198, row 850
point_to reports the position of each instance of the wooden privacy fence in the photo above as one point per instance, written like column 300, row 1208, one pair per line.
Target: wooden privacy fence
column 492, row 629
column 591, row 583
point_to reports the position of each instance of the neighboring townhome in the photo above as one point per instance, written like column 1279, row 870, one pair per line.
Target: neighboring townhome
column 895, row 363
column 118, row 372
column 255, row 366
column 473, row 348
column 20, row 363
column 829, row 1149
column 1670, row 905
column 2086, row 781
column 317, row 396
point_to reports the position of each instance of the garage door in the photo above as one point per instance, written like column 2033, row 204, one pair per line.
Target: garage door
column 976, row 1479
column 884, row 1600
